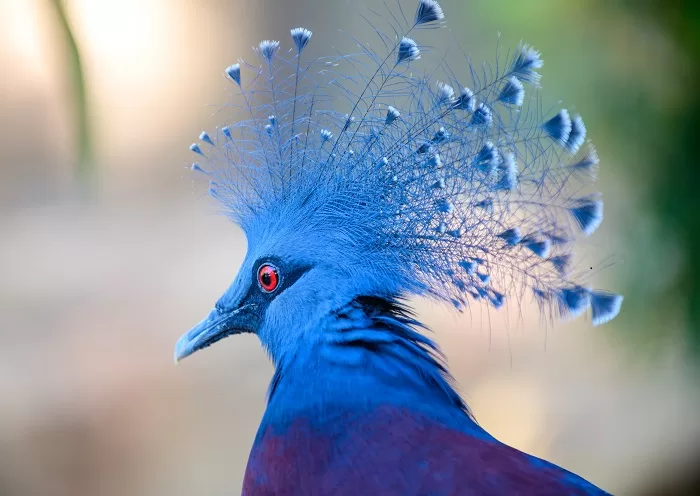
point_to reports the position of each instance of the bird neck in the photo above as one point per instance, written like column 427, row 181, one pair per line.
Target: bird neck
column 371, row 354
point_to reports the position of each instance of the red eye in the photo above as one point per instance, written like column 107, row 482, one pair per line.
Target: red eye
column 268, row 278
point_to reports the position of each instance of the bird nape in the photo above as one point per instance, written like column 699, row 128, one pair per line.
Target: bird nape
column 362, row 180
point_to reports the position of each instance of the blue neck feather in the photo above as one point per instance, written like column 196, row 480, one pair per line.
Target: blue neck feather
column 370, row 354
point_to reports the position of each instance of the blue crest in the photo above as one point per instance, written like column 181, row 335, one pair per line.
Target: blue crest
column 451, row 185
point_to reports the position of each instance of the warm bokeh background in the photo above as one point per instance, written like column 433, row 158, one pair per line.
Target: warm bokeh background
column 109, row 250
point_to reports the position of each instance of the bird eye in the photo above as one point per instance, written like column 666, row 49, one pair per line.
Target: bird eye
column 268, row 277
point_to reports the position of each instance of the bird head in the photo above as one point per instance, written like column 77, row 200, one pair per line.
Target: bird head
column 307, row 257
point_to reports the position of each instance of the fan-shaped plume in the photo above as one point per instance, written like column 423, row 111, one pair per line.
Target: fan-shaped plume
column 194, row 147
column 234, row 72
column 446, row 94
column 572, row 301
column 428, row 11
column 588, row 214
column 482, row 116
column 268, row 49
column 196, row 168
column 525, row 65
column 487, row 158
column 301, row 38
column 585, row 162
column 508, row 173
column 561, row 263
column 540, row 248
column 460, row 197
column 465, row 101
column 513, row 92
column 205, row 137
column 511, row 236
column 604, row 306
column 408, row 51
column 577, row 135
column 559, row 127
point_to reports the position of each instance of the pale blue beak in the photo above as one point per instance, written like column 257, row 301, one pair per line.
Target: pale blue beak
column 215, row 327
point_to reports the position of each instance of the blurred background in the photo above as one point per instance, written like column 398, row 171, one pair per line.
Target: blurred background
column 109, row 250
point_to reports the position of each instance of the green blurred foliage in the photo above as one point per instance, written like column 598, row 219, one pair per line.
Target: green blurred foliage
column 673, row 170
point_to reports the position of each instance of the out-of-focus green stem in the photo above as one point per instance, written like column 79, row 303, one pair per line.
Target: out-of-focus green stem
column 84, row 166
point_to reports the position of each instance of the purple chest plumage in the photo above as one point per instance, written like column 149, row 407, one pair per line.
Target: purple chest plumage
column 392, row 451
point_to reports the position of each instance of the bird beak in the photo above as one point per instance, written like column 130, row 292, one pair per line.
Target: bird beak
column 215, row 327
